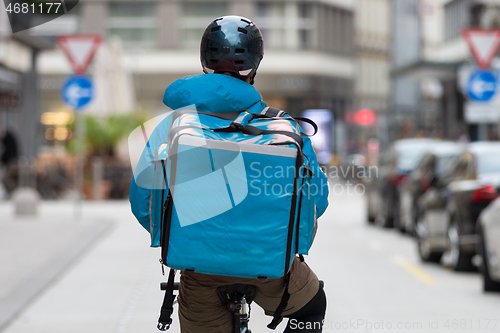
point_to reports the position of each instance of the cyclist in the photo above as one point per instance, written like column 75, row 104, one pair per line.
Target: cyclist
column 228, row 58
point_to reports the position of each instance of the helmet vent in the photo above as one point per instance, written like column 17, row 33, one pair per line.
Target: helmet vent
column 214, row 29
column 214, row 61
column 213, row 49
column 239, row 50
column 243, row 30
column 239, row 62
column 246, row 21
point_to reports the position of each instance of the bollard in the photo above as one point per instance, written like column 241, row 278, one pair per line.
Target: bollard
column 97, row 176
column 26, row 201
column 25, row 198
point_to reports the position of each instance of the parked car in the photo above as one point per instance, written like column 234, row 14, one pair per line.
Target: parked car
column 488, row 230
column 393, row 169
column 449, row 209
column 354, row 167
column 430, row 166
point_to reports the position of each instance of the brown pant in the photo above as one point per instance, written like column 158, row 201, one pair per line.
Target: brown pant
column 200, row 309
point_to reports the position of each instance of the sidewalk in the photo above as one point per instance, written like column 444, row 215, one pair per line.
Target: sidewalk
column 112, row 287
column 34, row 251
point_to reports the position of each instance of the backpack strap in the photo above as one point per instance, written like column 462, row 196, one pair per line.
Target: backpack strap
column 252, row 130
column 221, row 115
column 167, row 307
column 277, row 318
column 273, row 112
column 270, row 112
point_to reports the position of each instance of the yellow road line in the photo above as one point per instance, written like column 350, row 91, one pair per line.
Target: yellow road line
column 416, row 270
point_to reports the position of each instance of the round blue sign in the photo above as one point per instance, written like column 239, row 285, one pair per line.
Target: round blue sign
column 77, row 91
column 482, row 86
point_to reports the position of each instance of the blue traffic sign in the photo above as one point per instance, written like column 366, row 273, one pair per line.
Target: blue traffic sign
column 482, row 86
column 77, row 91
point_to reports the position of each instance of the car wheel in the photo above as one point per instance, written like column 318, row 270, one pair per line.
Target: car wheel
column 398, row 218
column 396, row 213
column 460, row 261
column 369, row 213
column 488, row 283
column 425, row 252
column 369, row 209
column 384, row 218
column 415, row 215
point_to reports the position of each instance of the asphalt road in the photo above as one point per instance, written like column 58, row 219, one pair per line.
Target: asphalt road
column 373, row 279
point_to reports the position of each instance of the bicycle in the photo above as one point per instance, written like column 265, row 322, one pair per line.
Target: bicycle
column 237, row 298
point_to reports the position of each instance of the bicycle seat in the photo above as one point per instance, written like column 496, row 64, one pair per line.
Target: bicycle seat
column 236, row 292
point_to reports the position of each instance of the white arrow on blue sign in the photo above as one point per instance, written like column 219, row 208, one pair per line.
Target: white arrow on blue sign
column 77, row 91
column 482, row 86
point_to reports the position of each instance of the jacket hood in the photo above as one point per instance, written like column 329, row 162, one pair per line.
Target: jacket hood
column 212, row 93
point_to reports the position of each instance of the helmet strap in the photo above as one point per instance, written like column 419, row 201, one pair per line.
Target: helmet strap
column 253, row 78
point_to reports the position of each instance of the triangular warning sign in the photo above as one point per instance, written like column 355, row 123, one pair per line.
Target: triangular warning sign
column 79, row 49
column 483, row 43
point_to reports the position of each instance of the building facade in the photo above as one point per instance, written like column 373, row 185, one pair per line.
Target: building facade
column 372, row 67
column 19, row 94
column 427, row 54
column 309, row 48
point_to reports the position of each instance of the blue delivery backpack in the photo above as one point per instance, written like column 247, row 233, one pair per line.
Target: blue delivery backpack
column 237, row 200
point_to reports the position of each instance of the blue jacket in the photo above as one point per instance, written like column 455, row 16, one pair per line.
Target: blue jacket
column 209, row 93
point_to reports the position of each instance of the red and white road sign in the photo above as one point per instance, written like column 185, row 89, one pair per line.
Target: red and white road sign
column 79, row 49
column 484, row 44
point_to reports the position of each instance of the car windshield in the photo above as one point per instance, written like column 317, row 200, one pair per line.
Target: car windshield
column 409, row 156
column 488, row 163
column 443, row 163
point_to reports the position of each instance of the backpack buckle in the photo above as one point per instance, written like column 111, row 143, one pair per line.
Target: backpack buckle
column 164, row 326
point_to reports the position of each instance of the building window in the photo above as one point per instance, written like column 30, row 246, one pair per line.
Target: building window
column 134, row 22
column 336, row 30
column 306, row 25
column 270, row 18
column 196, row 16
column 456, row 17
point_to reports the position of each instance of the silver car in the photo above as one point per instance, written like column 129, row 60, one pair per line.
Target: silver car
column 488, row 229
column 430, row 167
column 449, row 209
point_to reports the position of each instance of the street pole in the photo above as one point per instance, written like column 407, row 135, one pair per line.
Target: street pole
column 77, row 92
column 79, row 154
column 482, row 131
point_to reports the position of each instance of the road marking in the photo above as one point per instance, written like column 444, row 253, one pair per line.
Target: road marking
column 414, row 269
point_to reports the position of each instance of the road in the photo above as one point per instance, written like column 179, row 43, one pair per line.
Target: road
column 373, row 280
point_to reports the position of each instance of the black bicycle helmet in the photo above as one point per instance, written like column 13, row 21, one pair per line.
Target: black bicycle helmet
column 232, row 44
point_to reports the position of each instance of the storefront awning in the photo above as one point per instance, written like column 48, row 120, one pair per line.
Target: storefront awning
column 427, row 69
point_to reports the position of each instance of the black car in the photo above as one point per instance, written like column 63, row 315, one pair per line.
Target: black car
column 449, row 209
column 488, row 230
column 394, row 166
column 430, row 166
